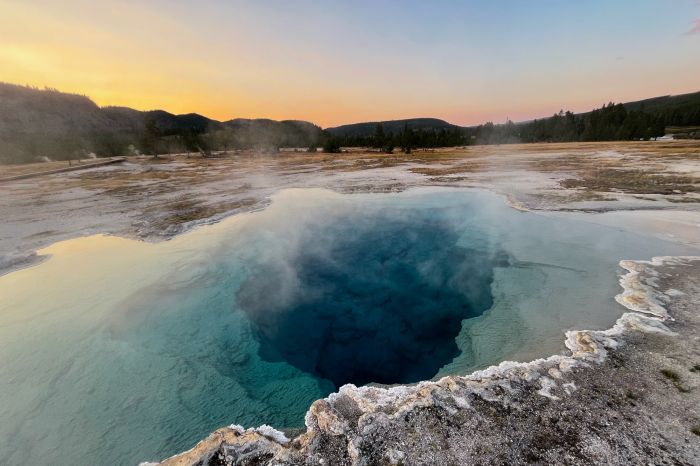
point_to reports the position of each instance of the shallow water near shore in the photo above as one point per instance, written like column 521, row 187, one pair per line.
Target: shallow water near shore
column 116, row 351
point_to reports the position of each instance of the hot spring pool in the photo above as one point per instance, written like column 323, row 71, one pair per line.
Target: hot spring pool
column 117, row 351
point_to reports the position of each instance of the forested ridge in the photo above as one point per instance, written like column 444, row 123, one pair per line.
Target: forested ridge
column 44, row 123
column 640, row 120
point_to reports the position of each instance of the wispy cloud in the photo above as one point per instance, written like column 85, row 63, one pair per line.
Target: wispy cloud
column 695, row 29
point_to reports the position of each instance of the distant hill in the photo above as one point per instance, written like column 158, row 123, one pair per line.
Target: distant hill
column 390, row 126
column 265, row 132
column 36, row 123
column 128, row 120
column 677, row 110
column 665, row 103
column 31, row 110
column 680, row 110
column 637, row 120
column 45, row 123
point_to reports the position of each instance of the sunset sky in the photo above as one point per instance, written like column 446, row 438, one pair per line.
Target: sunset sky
column 347, row 61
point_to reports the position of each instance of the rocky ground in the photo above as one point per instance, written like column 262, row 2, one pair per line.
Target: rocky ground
column 628, row 395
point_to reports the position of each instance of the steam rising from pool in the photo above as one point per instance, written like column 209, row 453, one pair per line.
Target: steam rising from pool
column 114, row 351
column 378, row 297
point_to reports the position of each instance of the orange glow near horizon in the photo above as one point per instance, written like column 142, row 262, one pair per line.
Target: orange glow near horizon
column 184, row 60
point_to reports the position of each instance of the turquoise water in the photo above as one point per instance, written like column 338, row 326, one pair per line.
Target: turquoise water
column 115, row 351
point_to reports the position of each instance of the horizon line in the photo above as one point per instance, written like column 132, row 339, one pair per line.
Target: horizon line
column 46, row 88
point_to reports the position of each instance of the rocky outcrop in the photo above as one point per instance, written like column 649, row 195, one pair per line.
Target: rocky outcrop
column 585, row 407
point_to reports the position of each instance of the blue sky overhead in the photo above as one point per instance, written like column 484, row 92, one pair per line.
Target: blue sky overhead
column 337, row 62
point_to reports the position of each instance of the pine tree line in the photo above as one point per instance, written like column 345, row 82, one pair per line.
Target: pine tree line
column 608, row 123
column 611, row 122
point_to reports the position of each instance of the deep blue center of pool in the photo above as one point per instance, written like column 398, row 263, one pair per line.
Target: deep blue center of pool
column 377, row 299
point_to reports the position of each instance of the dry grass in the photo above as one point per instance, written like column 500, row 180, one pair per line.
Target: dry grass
column 7, row 171
column 577, row 171
column 450, row 170
column 188, row 210
column 633, row 181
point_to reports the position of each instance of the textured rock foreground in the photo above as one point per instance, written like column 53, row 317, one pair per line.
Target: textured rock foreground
column 627, row 395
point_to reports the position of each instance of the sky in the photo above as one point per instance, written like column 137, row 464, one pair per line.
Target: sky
column 336, row 62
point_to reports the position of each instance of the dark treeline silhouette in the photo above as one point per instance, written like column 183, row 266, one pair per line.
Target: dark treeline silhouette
column 406, row 139
column 37, row 124
column 612, row 122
